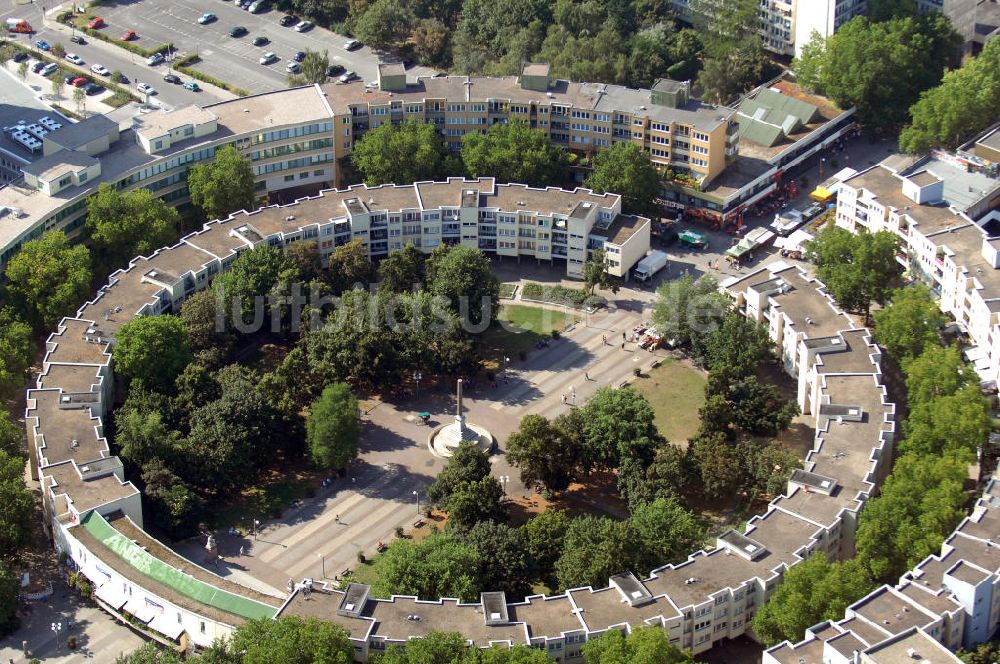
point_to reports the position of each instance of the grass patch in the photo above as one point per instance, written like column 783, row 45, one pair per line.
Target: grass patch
column 507, row 291
column 676, row 392
column 524, row 327
column 272, row 495
column 571, row 297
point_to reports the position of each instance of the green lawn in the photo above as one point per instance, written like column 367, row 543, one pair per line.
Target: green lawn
column 524, row 327
column 676, row 392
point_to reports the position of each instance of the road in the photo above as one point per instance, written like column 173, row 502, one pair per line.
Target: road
column 111, row 56
column 235, row 60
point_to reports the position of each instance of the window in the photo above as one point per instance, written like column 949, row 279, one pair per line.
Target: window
column 289, row 178
column 202, row 627
column 303, row 176
column 158, row 145
column 319, row 172
column 700, row 136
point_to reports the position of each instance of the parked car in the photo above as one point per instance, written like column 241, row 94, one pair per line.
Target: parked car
column 268, row 58
column 20, row 56
column 299, row 56
column 146, row 89
column 257, row 6
column 93, row 88
column 100, row 70
column 42, row 44
column 207, row 17
column 96, row 22
column 352, row 44
column 192, row 86
column 74, row 58
column 293, row 67
column 287, row 21
column 237, row 31
column 245, row 4
column 122, row 78
column 348, row 77
column 812, row 211
column 171, row 78
column 304, row 26
column 260, row 40
column 155, row 59
column 77, row 39
column 80, row 81
column 129, row 35
column 440, row 74
column 335, row 70
column 49, row 68
column 37, row 67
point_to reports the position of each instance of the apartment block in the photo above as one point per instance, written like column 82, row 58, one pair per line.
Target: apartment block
column 945, row 211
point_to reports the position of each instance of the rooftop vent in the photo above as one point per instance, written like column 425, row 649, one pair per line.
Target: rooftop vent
column 246, row 110
column 290, row 217
column 74, row 443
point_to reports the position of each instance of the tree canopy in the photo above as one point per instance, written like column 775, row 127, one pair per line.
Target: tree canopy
column 16, row 513
column 910, row 324
column 332, row 427
column 617, row 424
column 857, row 269
column 514, row 152
column 224, row 185
column 647, row 644
column 625, row 168
column 17, row 350
column 153, row 349
column 402, row 154
column 464, row 277
column 403, row 270
column 48, row 279
column 688, row 310
column 125, row 224
column 441, row 565
column 249, row 281
column 290, row 639
column 467, row 464
column 545, row 454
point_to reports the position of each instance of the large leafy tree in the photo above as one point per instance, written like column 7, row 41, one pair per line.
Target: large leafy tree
column 313, row 68
column 150, row 653
column 544, row 454
column 349, row 266
column 647, row 644
column 504, row 561
column 760, row 408
column 957, row 423
column 291, row 639
column 252, row 277
column 142, row 436
column 48, row 279
column 204, row 315
column 464, row 277
column 332, row 427
column 17, row 350
column 935, row 373
column 920, row 503
column 595, row 272
column 668, row 531
column 177, row 508
column 154, row 349
column 452, row 648
column 688, row 311
column 718, row 464
column 737, row 346
column 383, row 23
column 617, row 424
column 472, row 503
column 402, row 271
column 16, row 505
column 624, row 168
column 224, row 185
column 467, row 464
column 595, row 549
column 11, row 435
column 734, row 55
column 856, row 268
column 402, row 154
column 882, row 67
column 910, row 324
column 441, row 565
column 666, row 477
column 515, row 152
column 124, row 224
column 964, row 103
column 543, row 537
column 812, row 591
column 10, row 588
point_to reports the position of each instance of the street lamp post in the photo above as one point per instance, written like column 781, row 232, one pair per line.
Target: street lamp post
column 417, row 496
column 56, row 628
column 322, row 558
column 416, row 377
column 504, row 479
column 256, row 528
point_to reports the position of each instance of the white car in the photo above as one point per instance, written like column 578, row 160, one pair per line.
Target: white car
column 100, row 70
column 154, row 59
column 351, row 44
column 268, row 58
column 74, row 58
column 146, row 89
column 293, row 67
column 303, row 26
column 49, row 68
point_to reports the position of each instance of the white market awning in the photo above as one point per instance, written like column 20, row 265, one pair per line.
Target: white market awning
column 112, row 594
column 167, row 625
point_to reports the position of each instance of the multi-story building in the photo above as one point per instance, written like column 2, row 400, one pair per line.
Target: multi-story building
column 295, row 139
column 978, row 21
column 946, row 213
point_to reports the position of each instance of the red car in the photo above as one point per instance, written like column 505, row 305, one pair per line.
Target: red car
column 95, row 23
column 129, row 35
column 79, row 82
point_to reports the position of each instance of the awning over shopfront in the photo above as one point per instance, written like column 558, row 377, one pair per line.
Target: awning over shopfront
column 112, row 594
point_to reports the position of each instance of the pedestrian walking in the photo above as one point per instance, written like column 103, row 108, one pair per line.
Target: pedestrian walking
column 604, row 339
column 336, row 518
column 586, row 375
column 623, row 335
column 241, row 551
column 563, row 397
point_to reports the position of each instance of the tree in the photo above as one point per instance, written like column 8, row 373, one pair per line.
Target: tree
column 544, row 536
column 688, row 311
column 618, row 425
column 349, row 266
column 666, row 477
column 205, row 318
column 464, row 277
column 195, row 387
column 766, row 468
column 514, row 152
column 467, row 464
column 10, row 588
column 402, row 271
column 808, row 65
column 737, row 347
column 882, row 67
column 985, row 653
column 856, row 268
column 58, row 83
column 383, row 24
column 431, row 39
column 935, row 373
column 647, row 644
column 595, row 549
column 595, row 273
column 759, row 408
column 544, row 454
column 48, row 279
column 305, row 255
column 79, row 95
column 12, row 440
column 291, row 640
column 176, row 507
column 667, row 531
column 955, row 424
column 504, row 561
column 887, row 10
column 16, row 514
column 910, row 324
column 441, row 565
column 22, row 72
column 142, row 436
column 150, row 652
column 332, row 427
column 450, row 647
column 811, row 592
column 125, row 224
column 624, row 168
column 474, row 502
column 963, row 104
column 718, row 464
column 223, row 186
column 402, row 154
column 252, row 277
column 920, row 503
column 17, row 351
column 724, row 78
column 314, row 66
column 154, row 349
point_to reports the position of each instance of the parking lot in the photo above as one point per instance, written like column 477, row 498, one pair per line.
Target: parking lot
column 235, row 60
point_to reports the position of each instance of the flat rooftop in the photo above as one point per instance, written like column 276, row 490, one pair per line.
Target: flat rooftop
column 86, row 495
column 915, row 645
column 546, row 616
column 70, row 378
column 603, row 608
column 622, row 228
column 887, row 188
column 58, row 163
column 445, row 615
column 891, row 612
column 69, row 433
column 161, row 122
column 68, row 345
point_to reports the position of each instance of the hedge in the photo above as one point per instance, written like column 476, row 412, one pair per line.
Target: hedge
column 572, row 297
column 79, row 22
column 182, row 66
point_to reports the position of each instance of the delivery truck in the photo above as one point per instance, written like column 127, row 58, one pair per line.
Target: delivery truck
column 653, row 262
column 18, row 25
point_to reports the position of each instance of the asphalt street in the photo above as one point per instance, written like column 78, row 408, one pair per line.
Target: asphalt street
column 236, row 60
